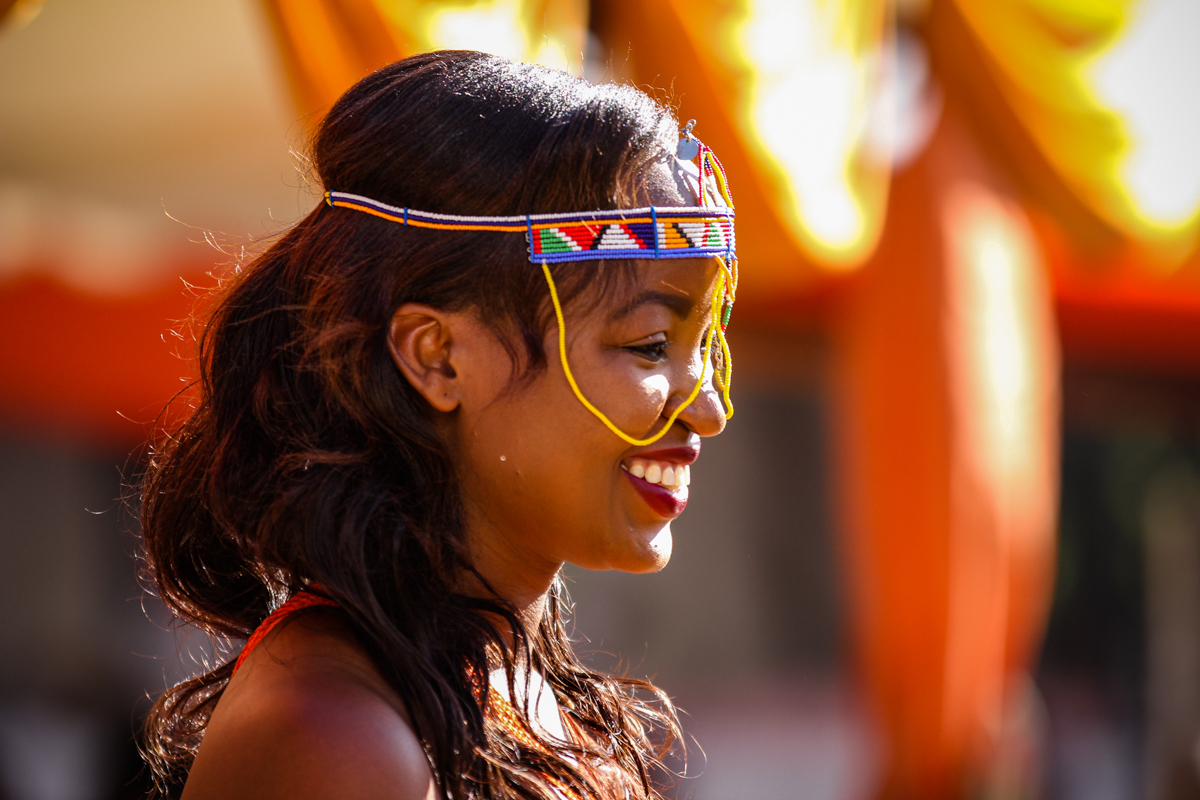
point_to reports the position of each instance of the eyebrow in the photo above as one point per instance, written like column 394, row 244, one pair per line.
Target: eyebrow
column 680, row 304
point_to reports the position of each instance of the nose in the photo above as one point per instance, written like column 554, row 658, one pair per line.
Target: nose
column 705, row 416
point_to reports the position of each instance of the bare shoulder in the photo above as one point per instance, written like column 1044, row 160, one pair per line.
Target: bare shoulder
column 309, row 716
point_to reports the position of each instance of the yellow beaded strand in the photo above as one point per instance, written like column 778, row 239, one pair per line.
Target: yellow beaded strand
column 714, row 331
column 724, row 376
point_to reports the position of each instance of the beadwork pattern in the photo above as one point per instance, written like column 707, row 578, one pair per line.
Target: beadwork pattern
column 651, row 232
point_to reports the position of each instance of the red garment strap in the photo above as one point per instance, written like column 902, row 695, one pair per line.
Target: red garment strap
column 502, row 711
column 299, row 601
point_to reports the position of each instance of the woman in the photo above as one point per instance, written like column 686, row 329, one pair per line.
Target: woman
column 408, row 422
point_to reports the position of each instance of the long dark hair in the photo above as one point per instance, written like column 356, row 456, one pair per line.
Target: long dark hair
column 308, row 459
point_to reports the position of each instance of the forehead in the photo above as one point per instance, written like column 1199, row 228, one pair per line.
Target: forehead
column 682, row 286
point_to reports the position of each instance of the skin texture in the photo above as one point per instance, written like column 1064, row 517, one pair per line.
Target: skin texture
column 308, row 715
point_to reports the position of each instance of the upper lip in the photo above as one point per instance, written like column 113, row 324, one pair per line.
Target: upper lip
column 673, row 455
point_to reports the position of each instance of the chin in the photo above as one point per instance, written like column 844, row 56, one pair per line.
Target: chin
column 650, row 555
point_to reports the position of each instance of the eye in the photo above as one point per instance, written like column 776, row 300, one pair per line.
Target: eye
column 655, row 350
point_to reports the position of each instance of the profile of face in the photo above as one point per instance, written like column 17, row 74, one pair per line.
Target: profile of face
column 543, row 480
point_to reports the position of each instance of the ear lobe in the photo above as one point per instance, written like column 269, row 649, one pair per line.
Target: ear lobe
column 420, row 339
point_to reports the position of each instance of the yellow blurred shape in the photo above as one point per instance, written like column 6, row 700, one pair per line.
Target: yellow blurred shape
column 491, row 27
column 810, row 68
column 1083, row 78
column 1151, row 76
column 501, row 27
column 330, row 44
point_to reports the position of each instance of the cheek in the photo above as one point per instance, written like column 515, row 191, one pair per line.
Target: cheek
column 541, row 467
column 651, row 392
column 631, row 396
column 540, row 457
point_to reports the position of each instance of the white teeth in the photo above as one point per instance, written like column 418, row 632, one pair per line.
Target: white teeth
column 667, row 475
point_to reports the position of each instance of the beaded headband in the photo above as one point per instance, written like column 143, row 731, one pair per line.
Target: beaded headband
column 653, row 232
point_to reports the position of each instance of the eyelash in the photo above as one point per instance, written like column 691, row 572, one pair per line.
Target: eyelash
column 657, row 350
column 654, row 350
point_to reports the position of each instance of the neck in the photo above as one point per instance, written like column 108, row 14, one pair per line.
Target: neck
column 521, row 579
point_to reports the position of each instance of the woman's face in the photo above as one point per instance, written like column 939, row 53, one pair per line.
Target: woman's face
column 545, row 481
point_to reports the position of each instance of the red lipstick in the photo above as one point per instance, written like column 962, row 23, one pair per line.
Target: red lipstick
column 662, row 501
column 674, row 455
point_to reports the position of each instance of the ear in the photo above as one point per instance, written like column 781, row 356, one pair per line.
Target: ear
column 421, row 340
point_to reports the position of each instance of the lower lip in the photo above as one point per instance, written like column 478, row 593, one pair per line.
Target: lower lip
column 662, row 501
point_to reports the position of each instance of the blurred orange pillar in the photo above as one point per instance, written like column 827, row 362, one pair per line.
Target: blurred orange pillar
column 948, row 446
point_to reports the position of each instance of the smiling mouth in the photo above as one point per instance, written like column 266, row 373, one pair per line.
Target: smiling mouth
column 663, row 485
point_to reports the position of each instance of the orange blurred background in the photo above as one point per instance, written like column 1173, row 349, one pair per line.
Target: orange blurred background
column 950, row 546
